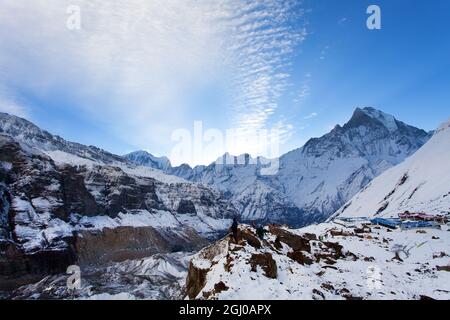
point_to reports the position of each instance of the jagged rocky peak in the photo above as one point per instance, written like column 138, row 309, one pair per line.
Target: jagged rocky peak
column 314, row 181
column 28, row 133
column 371, row 117
column 371, row 133
column 144, row 158
column 368, row 115
column 419, row 184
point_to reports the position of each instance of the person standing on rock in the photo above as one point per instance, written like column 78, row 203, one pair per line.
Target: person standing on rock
column 260, row 231
column 234, row 229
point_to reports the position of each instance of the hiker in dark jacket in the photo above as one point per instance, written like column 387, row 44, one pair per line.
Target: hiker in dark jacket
column 260, row 231
column 234, row 230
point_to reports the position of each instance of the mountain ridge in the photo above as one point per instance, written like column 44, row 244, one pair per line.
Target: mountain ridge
column 418, row 184
column 316, row 179
column 312, row 182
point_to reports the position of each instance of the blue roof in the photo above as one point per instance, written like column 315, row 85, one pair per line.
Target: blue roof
column 393, row 223
column 419, row 224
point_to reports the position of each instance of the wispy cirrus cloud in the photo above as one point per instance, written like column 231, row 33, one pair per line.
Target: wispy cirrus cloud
column 134, row 63
column 342, row 21
column 10, row 104
column 264, row 40
column 311, row 116
column 324, row 53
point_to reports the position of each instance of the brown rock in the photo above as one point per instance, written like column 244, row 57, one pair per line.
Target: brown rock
column 443, row 268
column 219, row 287
column 266, row 262
column 125, row 243
column 195, row 281
column 300, row 257
column 250, row 238
column 296, row 242
column 327, row 286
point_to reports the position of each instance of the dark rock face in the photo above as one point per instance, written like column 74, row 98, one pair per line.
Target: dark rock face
column 128, row 243
column 297, row 243
column 186, row 206
column 249, row 238
column 266, row 262
column 195, row 280
column 18, row 268
column 75, row 196
column 300, row 257
column 36, row 193
column 5, row 204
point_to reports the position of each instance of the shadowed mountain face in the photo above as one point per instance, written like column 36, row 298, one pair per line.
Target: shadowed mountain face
column 421, row 183
column 144, row 158
column 62, row 203
column 314, row 181
column 30, row 134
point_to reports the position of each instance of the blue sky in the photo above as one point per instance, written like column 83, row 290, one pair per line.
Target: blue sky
column 138, row 71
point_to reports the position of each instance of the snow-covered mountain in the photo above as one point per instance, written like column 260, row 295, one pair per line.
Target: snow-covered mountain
column 345, row 258
column 316, row 180
column 326, row 172
column 63, row 203
column 159, row 277
column 26, row 132
column 328, row 261
column 143, row 158
column 419, row 184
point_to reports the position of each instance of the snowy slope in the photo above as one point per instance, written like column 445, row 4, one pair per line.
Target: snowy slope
column 160, row 277
column 144, row 158
column 28, row 133
column 324, row 262
column 419, row 184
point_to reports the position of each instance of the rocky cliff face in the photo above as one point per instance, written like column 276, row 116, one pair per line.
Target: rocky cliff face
column 421, row 183
column 58, row 208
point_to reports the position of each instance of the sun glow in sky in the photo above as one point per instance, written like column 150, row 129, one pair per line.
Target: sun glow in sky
column 138, row 71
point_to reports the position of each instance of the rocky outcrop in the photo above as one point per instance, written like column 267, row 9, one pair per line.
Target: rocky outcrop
column 54, row 214
column 195, row 280
column 266, row 262
column 320, row 262
column 201, row 265
column 297, row 243
column 212, row 269
column 128, row 243
column 18, row 268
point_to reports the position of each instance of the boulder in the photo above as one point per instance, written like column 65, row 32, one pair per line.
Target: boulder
column 266, row 262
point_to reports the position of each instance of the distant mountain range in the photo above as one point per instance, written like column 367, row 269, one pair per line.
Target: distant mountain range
column 351, row 256
column 313, row 181
column 63, row 202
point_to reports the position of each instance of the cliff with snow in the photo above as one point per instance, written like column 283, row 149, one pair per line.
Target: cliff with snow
column 420, row 184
